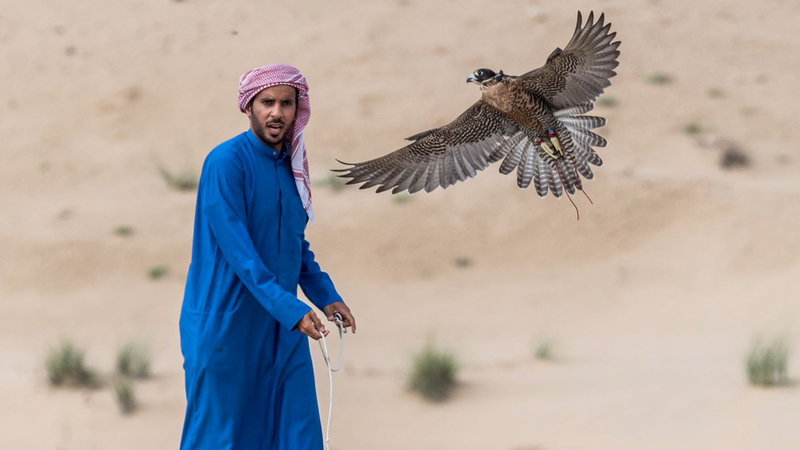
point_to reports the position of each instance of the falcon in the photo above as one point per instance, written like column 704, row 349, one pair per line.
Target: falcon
column 534, row 123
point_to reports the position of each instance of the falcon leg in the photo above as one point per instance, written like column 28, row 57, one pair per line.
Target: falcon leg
column 547, row 149
column 554, row 139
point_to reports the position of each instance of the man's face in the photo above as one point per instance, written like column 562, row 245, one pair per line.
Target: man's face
column 271, row 114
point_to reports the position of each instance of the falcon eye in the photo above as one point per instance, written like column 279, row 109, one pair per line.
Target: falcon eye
column 484, row 74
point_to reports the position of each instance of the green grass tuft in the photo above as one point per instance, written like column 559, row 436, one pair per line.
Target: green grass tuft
column 123, row 230
column 402, row 198
column 692, row 128
column 659, row 78
column 184, row 181
column 749, row 111
column 463, row 261
column 607, row 101
column 544, row 351
column 767, row 363
column 332, row 181
column 125, row 393
column 133, row 360
column 433, row 373
column 157, row 272
column 65, row 366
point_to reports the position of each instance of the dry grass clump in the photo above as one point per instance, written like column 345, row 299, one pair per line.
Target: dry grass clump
column 749, row 111
column 184, row 181
column 716, row 93
column 133, row 360
column 733, row 157
column 65, row 366
column 433, row 373
column 767, row 363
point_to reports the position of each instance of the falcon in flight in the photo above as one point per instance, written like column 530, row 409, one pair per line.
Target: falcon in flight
column 533, row 122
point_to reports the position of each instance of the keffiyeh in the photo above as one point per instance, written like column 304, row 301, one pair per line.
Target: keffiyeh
column 254, row 81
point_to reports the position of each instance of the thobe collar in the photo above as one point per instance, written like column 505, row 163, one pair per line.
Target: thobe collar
column 266, row 149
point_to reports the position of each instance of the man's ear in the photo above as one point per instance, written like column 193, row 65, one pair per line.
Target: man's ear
column 248, row 109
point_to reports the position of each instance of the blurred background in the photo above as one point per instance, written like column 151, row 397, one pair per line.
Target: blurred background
column 653, row 322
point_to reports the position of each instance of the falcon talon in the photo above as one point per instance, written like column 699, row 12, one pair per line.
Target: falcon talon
column 554, row 139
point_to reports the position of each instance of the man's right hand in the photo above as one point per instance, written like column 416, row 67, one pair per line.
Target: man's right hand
column 311, row 326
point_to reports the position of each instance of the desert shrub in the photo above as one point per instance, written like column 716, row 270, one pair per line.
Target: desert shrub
column 767, row 363
column 157, row 272
column 748, row 111
column 733, row 157
column 133, row 360
column 333, row 182
column 65, row 366
column 659, row 78
column 543, row 351
column 402, row 198
column 124, row 393
column 123, row 230
column 463, row 261
column 716, row 93
column 692, row 128
column 183, row 181
column 607, row 101
column 433, row 373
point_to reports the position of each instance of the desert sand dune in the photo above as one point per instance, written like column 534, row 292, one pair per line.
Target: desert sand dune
column 651, row 300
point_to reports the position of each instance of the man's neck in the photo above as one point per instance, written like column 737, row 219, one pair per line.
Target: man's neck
column 278, row 147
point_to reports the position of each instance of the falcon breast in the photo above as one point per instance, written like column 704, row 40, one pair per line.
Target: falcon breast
column 535, row 123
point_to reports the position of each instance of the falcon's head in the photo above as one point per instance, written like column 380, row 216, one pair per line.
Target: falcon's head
column 486, row 77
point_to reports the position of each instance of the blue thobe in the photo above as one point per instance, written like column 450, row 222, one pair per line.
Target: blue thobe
column 249, row 378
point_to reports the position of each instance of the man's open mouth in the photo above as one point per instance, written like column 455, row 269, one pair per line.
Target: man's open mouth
column 274, row 129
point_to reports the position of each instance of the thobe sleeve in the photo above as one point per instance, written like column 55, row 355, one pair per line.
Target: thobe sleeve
column 316, row 284
column 222, row 185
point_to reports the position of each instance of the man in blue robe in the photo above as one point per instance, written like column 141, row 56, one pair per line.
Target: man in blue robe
column 249, row 377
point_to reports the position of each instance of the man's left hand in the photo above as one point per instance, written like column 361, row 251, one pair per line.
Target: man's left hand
column 347, row 317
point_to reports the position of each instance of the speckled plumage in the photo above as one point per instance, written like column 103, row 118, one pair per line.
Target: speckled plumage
column 509, row 121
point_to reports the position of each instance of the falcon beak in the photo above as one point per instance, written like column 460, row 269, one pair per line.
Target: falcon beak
column 471, row 78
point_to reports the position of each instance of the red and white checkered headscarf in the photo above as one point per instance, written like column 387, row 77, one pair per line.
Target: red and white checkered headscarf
column 254, row 81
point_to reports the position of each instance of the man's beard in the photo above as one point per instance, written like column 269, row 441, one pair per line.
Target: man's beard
column 258, row 129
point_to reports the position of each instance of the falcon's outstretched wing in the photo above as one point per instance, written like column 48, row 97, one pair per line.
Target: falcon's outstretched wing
column 578, row 74
column 441, row 156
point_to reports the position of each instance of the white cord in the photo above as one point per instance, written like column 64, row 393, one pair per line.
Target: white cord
column 337, row 319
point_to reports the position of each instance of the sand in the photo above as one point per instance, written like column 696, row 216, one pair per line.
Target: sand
column 651, row 301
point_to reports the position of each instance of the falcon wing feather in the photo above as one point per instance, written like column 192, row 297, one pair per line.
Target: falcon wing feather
column 439, row 157
column 578, row 74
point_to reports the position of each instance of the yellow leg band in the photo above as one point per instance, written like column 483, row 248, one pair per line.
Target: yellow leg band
column 547, row 149
column 557, row 144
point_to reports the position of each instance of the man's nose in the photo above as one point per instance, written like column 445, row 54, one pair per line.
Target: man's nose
column 276, row 111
